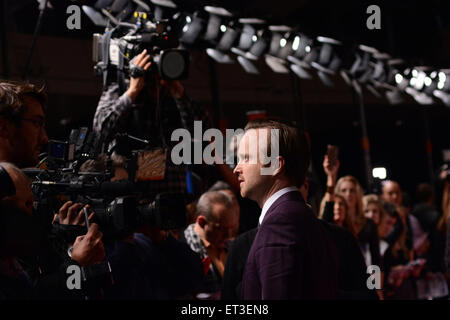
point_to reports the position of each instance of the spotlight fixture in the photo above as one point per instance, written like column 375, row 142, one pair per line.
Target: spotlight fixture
column 96, row 17
column 443, row 86
column 279, row 35
column 327, row 61
column 163, row 9
column 192, row 26
column 217, row 23
column 248, row 37
column 220, row 33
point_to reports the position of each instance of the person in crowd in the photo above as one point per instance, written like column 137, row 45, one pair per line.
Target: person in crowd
column 372, row 208
column 291, row 244
column 352, row 268
column 22, row 136
column 222, row 185
column 424, row 209
column 22, row 238
column 150, row 108
column 334, row 209
column 392, row 193
column 388, row 218
column 209, row 236
column 22, row 123
column 147, row 262
column 363, row 228
column 428, row 217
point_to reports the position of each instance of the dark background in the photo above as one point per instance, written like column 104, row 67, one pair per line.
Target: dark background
column 418, row 31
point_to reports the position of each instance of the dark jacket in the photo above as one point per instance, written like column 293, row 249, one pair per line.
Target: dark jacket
column 292, row 256
column 352, row 275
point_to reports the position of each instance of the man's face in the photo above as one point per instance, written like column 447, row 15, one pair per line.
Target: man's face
column 220, row 227
column 392, row 193
column 248, row 170
column 29, row 136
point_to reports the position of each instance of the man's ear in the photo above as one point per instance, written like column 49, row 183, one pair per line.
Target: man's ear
column 281, row 166
column 201, row 220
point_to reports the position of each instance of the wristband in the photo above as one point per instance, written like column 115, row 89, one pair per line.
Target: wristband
column 330, row 189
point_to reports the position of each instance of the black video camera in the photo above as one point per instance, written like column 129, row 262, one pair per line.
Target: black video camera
column 119, row 205
column 115, row 49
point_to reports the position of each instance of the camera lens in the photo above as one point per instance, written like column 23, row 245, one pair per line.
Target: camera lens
column 173, row 65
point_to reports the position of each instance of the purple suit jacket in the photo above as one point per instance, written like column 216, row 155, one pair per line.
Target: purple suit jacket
column 292, row 257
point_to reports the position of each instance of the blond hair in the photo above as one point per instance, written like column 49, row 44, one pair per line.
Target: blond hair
column 357, row 216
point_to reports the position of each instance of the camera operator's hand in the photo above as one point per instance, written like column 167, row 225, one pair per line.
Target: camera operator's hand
column 175, row 87
column 142, row 60
column 73, row 214
column 88, row 249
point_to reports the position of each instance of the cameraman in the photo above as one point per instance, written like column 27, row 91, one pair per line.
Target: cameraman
column 151, row 108
column 147, row 263
column 22, row 239
column 22, row 135
column 22, row 123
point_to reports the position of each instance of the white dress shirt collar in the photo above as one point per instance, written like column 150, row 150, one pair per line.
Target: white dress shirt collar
column 269, row 202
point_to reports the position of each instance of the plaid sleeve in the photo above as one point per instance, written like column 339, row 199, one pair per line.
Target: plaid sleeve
column 111, row 109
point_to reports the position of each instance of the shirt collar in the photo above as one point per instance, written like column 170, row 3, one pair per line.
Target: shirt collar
column 269, row 202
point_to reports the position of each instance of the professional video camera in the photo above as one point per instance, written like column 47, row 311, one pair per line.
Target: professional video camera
column 115, row 49
column 120, row 207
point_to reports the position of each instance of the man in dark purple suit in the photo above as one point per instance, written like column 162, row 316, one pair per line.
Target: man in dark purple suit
column 292, row 256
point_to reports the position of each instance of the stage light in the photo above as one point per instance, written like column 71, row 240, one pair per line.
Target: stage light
column 217, row 22
column 260, row 44
column 299, row 49
column 95, row 16
column 247, row 41
column 163, row 9
column 443, row 80
column 429, row 85
column 296, row 43
column 249, row 29
column 444, row 97
column 280, row 48
column 379, row 173
column 327, row 61
column 366, row 70
column 277, row 34
column 420, row 97
column 193, row 25
column 398, row 78
column 442, row 86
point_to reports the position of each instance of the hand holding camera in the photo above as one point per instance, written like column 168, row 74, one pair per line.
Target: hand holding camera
column 68, row 214
column 88, row 249
column 141, row 63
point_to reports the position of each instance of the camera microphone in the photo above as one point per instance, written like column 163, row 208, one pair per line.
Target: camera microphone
column 144, row 38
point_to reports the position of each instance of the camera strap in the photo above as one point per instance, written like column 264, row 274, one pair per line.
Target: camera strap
column 105, row 55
